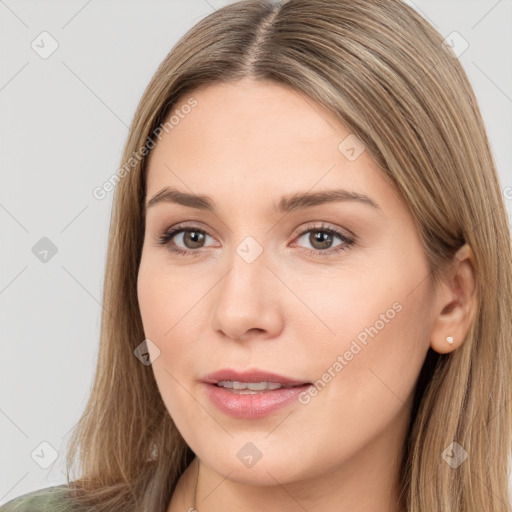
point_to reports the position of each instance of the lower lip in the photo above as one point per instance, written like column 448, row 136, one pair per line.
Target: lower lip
column 252, row 405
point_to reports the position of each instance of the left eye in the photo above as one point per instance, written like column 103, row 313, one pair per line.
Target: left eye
column 320, row 237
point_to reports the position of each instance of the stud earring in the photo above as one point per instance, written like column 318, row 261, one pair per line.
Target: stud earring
column 449, row 339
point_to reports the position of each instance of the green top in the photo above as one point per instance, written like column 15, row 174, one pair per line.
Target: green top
column 50, row 499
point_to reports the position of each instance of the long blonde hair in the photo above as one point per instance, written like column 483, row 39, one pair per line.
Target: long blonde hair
column 385, row 73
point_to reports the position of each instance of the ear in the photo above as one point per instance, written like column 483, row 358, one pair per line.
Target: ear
column 456, row 303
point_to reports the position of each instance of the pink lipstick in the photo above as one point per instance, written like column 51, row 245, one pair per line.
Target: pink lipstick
column 251, row 394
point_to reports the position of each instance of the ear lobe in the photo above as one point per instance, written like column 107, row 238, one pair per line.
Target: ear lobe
column 456, row 304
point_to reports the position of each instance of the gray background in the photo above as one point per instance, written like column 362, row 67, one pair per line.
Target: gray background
column 63, row 125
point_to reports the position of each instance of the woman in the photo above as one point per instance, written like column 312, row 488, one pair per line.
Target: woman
column 308, row 278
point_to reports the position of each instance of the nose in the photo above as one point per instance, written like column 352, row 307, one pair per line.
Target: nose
column 247, row 302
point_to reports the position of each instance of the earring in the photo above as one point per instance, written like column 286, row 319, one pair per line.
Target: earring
column 449, row 339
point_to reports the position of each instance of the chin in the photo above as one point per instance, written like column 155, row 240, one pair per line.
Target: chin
column 255, row 463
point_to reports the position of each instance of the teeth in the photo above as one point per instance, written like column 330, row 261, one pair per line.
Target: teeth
column 252, row 386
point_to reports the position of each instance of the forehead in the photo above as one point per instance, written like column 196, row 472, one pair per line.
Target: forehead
column 257, row 139
column 252, row 113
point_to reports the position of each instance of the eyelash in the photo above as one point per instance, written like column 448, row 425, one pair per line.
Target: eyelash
column 166, row 238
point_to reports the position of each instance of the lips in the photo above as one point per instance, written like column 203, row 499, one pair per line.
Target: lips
column 255, row 375
column 251, row 405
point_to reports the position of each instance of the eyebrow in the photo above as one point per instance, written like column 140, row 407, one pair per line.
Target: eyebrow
column 297, row 201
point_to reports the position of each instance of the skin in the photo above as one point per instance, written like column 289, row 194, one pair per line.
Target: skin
column 288, row 311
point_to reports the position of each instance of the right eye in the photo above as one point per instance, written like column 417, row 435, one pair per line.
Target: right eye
column 192, row 235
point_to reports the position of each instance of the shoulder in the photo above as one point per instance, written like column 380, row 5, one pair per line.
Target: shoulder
column 50, row 499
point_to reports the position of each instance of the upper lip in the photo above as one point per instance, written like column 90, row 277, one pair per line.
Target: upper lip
column 254, row 375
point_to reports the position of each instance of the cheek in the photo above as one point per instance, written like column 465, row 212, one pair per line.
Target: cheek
column 169, row 319
column 163, row 297
column 374, row 340
column 149, row 296
column 161, row 311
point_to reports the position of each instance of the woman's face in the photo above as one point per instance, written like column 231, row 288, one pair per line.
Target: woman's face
column 333, row 293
